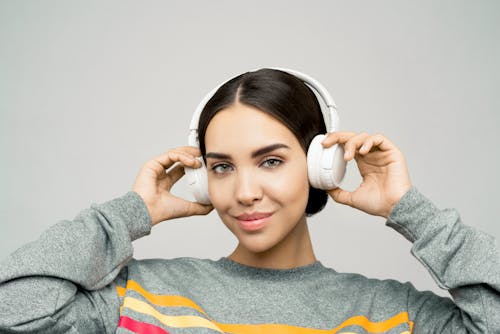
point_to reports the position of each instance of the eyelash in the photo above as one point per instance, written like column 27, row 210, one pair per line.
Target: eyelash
column 273, row 159
column 226, row 165
column 215, row 167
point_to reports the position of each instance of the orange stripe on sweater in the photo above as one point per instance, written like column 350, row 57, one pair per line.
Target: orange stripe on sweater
column 361, row 321
column 197, row 321
column 160, row 300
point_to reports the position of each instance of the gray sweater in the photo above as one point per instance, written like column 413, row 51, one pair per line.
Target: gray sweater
column 80, row 277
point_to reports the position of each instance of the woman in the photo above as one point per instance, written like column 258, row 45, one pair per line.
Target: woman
column 254, row 133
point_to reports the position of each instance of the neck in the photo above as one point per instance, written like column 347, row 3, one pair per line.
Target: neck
column 295, row 250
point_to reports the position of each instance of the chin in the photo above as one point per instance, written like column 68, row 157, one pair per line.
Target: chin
column 256, row 243
column 256, row 248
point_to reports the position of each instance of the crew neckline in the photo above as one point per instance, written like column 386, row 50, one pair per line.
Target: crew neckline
column 247, row 270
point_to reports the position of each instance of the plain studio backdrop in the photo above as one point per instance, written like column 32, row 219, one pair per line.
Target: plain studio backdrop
column 90, row 90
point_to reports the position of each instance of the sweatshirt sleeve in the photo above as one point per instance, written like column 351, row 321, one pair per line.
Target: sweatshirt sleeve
column 62, row 282
column 461, row 259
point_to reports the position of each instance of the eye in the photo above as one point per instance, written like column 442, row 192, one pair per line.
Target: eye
column 221, row 168
column 272, row 163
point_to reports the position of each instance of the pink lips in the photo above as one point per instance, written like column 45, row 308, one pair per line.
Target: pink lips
column 253, row 221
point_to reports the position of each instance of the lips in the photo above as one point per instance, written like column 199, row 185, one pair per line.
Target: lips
column 254, row 216
column 253, row 221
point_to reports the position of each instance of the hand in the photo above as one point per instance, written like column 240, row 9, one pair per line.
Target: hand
column 153, row 184
column 382, row 167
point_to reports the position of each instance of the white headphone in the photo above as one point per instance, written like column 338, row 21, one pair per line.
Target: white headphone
column 325, row 167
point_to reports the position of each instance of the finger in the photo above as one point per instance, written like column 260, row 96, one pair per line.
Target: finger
column 341, row 196
column 382, row 143
column 186, row 159
column 175, row 173
column 187, row 208
column 367, row 146
column 166, row 160
column 353, row 144
column 191, row 150
column 198, row 209
column 376, row 142
column 333, row 138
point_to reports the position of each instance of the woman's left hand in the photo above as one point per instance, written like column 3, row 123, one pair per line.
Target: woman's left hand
column 382, row 167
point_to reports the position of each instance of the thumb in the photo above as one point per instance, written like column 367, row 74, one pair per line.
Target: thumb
column 341, row 196
column 196, row 208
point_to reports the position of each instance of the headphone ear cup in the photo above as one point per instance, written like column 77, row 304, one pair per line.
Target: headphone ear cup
column 325, row 166
column 198, row 182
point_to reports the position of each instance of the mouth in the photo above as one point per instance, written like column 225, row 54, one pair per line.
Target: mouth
column 253, row 221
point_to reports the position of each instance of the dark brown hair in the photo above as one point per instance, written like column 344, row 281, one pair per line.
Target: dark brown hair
column 282, row 96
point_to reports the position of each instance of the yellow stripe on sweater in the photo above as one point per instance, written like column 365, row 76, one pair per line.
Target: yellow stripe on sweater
column 361, row 321
column 197, row 321
column 160, row 300
column 180, row 321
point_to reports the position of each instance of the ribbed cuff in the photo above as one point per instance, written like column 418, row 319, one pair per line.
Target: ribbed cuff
column 131, row 209
column 411, row 214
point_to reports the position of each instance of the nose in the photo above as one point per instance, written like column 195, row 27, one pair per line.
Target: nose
column 248, row 190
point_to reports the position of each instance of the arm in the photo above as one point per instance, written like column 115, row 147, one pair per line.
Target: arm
column 463, row 260
column 63, row 282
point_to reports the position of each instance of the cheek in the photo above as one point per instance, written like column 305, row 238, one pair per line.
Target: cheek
column 221, row 196
column 221, row 200
column 291, row 186
column 218, row 197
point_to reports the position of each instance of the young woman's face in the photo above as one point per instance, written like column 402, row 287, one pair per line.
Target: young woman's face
column 257, row 176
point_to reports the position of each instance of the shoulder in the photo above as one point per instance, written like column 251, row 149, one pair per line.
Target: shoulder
column 355, row 284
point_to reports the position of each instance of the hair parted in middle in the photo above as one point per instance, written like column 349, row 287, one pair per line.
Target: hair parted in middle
column 280, row 95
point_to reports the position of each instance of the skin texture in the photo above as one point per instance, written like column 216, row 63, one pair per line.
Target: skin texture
column 383, row 169
column 275, row 182
column 245, row 184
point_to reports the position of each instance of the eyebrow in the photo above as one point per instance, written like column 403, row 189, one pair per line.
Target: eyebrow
column 256, row 153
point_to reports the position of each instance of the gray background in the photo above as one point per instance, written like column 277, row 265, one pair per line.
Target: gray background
column 90, row 90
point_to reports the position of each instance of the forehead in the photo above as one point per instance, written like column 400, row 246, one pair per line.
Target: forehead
column 241, row 127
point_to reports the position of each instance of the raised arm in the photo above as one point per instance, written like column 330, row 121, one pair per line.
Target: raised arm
column 461, row 259
column 64, row 281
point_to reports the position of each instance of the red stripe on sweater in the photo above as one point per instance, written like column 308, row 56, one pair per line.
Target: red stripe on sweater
column 140, row 327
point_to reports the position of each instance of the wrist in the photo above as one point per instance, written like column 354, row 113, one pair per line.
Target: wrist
column 133, row 211
column 396, row 198
column 149, row 207
column 412, row 214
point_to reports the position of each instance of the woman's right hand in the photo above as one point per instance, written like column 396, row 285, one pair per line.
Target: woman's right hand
column 153, row 184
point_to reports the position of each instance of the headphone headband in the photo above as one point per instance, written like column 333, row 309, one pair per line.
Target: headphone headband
column 331, row 118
